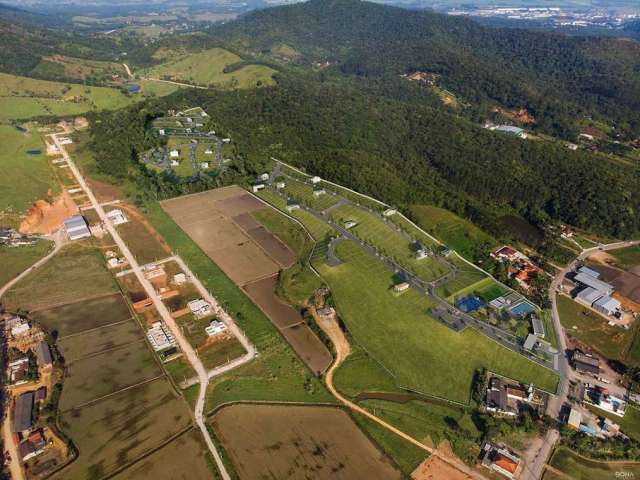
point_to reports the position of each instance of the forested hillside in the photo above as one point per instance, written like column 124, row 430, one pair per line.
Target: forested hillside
column 400, row 151
column 558, row 78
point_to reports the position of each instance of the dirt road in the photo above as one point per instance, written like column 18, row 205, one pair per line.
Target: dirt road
column 185, row 346
column 337, row 336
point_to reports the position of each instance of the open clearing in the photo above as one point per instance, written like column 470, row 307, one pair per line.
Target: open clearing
column 214, row 220
column 77, row 317
column 208, row 68
column 592, row 329
column 398, row 333
column 76, row 272
column 581, row 468
column 185, row 458
column 458, row 233
column 25, row 177
column 95, row 341
column 99, row 375
column 275, row 441
column 628, row 257
column 15, row 260
column 121, row 428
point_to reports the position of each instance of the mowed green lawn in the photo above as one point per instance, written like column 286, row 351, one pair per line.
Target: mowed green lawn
column 15, row 260
column 421, row 353
column 25, row 178
column 208, row 68
column 581, row 468
column 374, row 231
column 458, row 233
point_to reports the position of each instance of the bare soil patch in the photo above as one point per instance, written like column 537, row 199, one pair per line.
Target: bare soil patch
column 308, row 347
column 237, row 205
column 246, row 221
column 291, row 324
column 46, row 217
column 262, row 292
column 434, row 468
column 626, row 284
column 287, row 442
column 274, row 247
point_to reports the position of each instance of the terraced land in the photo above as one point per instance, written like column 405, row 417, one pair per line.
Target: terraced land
column 374, row 231
column 208, row 68
column 399, row 334
column 304, row 193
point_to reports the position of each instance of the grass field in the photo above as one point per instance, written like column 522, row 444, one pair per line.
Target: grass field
column 99, row 375
column 277, row 374
column 371, row 229
column 399, row 334
column 185, row 458
column 15, row 260
column 221, row 353
column 122, row 428
column 458, row 233
column 592, row 329
column 142, row 243
column 466, row 276
column 77, row 68
column 54, row 98
column 75, row 347
column 26, row 178
column 627, row 257
column 303, row 193
column 318, row 229
column 208, row 68
column 76, row 272
column 581, row 468
column 311, row 442
column 72, row 318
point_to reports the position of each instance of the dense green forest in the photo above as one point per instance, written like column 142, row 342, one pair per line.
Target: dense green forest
column 557, row 77
column 399, row 151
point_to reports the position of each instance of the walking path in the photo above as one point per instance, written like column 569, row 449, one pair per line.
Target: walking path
column 339, row 340
column 185, row 346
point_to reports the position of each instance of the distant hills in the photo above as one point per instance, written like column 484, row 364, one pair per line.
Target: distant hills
column 556, row 77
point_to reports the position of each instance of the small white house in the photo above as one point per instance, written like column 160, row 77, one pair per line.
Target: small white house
column 174, row 153
column 319, row 191
column 264, row 177
column 389, row 211
column 200, row 308
column 204, row 165
column 226, row 140
column 257, row 187
column 280, row 185
column 293, row 206
column 117, row 216
column 422, row 253
column 161, row 131
column 215, row 327
column 208, row 151
column 179, row 279
column 315, row 179
column 175, row 163
column 350, row 224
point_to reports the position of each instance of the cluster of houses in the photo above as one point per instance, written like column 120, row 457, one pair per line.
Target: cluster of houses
column 11, row 238
column 29, row 359
column 586, row 421
column 595, row 293
column 520, row 267
column 582, row 420
column 507, row 399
